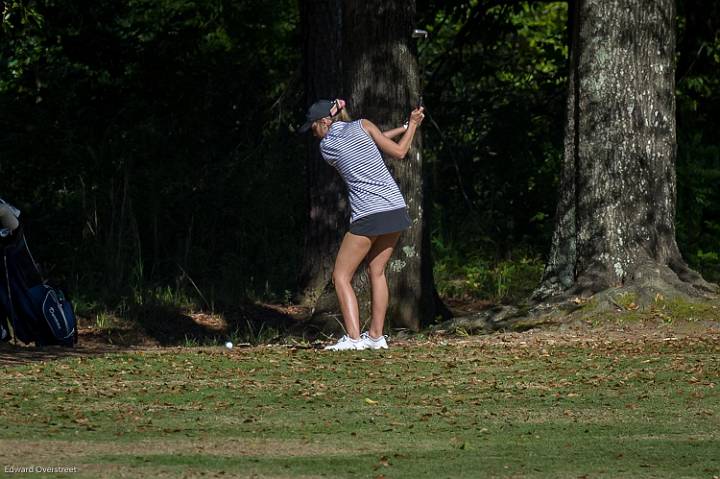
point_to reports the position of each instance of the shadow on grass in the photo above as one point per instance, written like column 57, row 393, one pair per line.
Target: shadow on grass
column 254, row 323
column 162, row 325
column 168, row 325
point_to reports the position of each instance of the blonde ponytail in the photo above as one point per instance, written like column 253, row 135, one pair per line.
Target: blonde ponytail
column 342, row 115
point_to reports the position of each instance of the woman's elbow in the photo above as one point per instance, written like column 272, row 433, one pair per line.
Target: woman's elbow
column 402, row 153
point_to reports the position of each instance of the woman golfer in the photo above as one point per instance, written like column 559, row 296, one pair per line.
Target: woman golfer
column 378, row 213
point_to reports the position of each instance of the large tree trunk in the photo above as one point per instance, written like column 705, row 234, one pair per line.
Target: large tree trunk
column 381, row 76
column 380, row 82
column 615, row 222
column 329, row 212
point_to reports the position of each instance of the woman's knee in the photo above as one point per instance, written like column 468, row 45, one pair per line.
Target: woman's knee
column 376, row 272
column 341, row 278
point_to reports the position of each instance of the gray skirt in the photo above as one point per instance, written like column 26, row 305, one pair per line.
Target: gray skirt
column 381, row 223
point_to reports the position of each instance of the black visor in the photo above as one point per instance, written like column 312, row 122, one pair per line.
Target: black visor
column 319, row 109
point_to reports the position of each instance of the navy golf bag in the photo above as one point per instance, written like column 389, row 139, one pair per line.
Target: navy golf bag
column 37, row 312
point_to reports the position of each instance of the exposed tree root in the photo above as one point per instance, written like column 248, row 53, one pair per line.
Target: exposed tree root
column 652, row 290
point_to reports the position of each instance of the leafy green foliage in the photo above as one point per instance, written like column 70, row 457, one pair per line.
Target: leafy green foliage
column 698, row 104
column 496, row 83
column 496, row 88
column 147, row 143
column 471, row 277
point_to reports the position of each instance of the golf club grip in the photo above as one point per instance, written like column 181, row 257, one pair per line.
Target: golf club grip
column 420, row 102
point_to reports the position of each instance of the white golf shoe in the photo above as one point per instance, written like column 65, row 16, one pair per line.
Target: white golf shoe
column 347, row 343
column 373, row 343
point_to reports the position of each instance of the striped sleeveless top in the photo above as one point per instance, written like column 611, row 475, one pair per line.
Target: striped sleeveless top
column 353, row 153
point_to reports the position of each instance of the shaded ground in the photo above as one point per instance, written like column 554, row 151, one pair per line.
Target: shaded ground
column 162, row 326
column 253, row 325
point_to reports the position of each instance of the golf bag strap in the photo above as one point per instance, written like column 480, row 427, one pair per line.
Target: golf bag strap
column 9, row 293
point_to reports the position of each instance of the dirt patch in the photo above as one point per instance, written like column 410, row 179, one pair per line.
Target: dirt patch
column 46, row 451
column 126, row 471
column 17, row 354
column 581, row 333
column 82, row 454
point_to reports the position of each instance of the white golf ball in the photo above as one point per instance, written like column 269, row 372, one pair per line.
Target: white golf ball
column 228, row 345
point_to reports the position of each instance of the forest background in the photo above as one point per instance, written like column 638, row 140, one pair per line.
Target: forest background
column 152, row 145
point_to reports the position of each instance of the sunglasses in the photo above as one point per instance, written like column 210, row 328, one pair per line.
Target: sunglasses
column 336, row 107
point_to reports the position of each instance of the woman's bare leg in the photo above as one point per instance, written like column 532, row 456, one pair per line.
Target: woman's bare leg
column 352, row 251
column 378, row 257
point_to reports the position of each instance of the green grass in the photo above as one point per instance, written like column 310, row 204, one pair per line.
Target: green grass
column 481, row 407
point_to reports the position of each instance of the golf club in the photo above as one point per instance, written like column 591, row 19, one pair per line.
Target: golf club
column 417, row 33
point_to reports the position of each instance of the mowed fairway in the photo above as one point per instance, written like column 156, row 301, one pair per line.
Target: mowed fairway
column 596, row 403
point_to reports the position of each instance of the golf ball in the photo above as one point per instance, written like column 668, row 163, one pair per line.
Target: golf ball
column 228, row 345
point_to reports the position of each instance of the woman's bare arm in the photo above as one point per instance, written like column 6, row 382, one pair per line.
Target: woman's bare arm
column 394, row 132
column 389, row 147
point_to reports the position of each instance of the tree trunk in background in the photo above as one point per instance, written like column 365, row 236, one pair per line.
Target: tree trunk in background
column 380, row 82
column 329, row 212
column 615, row 223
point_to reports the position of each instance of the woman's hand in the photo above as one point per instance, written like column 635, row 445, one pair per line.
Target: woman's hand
column 417, row 116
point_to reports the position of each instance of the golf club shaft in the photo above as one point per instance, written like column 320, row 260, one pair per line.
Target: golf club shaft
column 417, row 34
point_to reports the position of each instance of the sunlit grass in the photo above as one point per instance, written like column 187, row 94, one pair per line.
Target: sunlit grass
column 481, row 407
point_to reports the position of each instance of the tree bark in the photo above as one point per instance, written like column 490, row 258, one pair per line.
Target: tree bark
column 321, row 22
column 615, row 222
column 380, row 82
